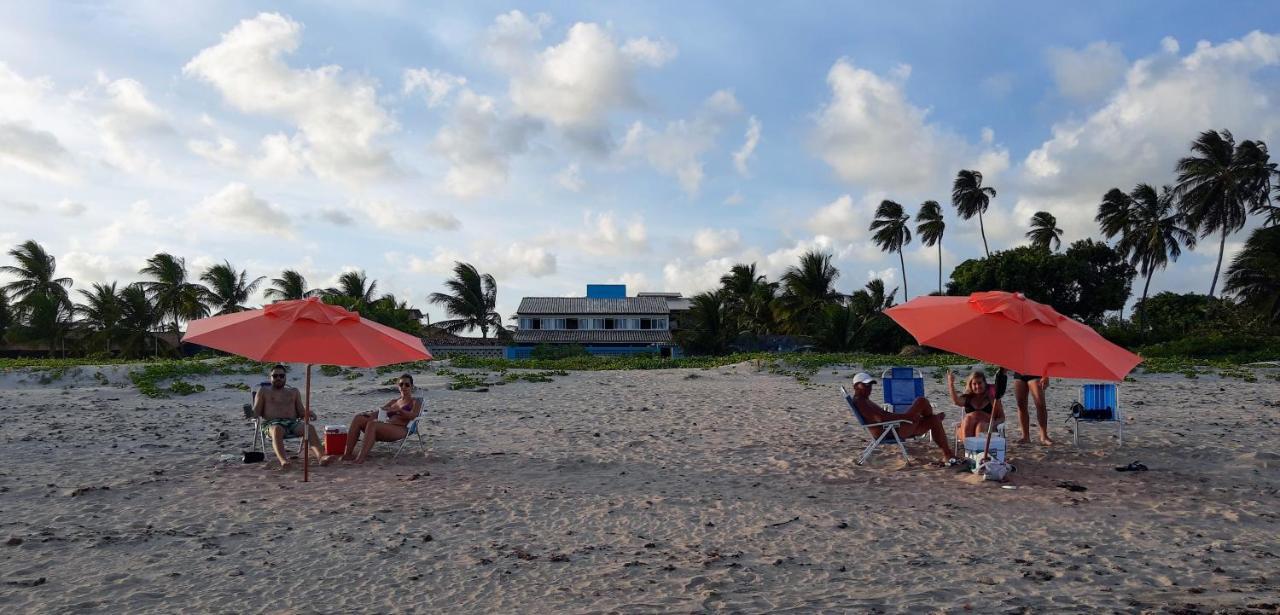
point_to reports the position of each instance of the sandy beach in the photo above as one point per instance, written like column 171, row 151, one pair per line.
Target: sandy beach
column 725, row 489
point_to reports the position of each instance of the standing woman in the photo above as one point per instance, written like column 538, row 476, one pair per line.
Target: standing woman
column 1035, row 385
column 400, row 411
column 980, row 406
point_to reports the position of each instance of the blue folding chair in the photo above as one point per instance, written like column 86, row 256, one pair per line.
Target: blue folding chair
column 902, row 387
column 1101, row 403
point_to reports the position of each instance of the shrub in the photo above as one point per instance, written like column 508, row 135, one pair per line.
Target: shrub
column 558, row 351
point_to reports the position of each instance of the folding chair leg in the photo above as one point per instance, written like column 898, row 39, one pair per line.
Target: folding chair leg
column 1076, row 433
column 1120, row 426
column 403, row 441
column 872, row 447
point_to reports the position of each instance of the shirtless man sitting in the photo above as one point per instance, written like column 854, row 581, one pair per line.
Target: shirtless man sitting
column 281, row 409
column 920, row 416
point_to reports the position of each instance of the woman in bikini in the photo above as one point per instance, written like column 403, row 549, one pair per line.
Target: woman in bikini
column 980, row 407
column 400, row 411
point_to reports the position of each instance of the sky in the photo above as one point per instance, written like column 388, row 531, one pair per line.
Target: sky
column 556, row 144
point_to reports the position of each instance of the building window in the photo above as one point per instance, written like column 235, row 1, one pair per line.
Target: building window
column 535, row 323
column 571, row 324
column 610, row 323
column 660, row 323
column 646, row 323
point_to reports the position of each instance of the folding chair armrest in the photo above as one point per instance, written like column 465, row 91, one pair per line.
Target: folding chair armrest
column 894, row 423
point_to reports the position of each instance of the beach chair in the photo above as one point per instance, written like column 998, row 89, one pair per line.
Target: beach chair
column 889, row 431
column 1099, row 403
column 412, row 432
column 259, row 438
column 902, row 386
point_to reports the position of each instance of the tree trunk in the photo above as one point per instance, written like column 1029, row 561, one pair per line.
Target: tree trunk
column 484, row 332
column 1142, row 314
column 983, row 230
column 903, row 262
column 939, row 266
column 1222, row 246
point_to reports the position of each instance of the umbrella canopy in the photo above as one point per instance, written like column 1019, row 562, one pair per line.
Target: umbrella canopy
column 1009, row 330
column 306, row 331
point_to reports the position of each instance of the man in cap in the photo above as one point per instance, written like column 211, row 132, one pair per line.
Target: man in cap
column 922, row 419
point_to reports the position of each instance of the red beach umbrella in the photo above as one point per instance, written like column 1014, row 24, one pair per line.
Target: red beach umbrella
column 1009, row 330
column 306, row 331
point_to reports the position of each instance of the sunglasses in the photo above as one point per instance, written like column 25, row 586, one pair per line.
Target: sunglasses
column 277, row 376
column 404, row 385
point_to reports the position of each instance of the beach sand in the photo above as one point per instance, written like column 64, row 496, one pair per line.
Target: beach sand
column 726, row 489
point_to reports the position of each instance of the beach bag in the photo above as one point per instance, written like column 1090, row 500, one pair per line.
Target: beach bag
column 1079, row 412
column 994, row 469
column 253, row 457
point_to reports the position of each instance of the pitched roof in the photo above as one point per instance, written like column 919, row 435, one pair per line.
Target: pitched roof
column 593, row 336
column 583, row 305
column 440, row 339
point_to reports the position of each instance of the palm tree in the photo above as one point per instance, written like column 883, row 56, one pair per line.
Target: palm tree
column 709, row 324
column 392, row 312
column 39, row 298
column 290, row 285
column 1044, row 231
column 101, row 312
column 970, row 198
column 354, row 285
column 1113, row 213
column 1219, row 183
column 470, row 302
column 138, row 316
column 6, row 314
column 749, row 299
column 892, row 231
column 1254, row 275
column 930, row 226
column 1155, row 235
column 35, row 273
column 171, row 292
column 229, row 290
column 806, row 290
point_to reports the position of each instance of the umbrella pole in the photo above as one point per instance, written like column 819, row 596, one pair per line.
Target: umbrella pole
column 306, row 432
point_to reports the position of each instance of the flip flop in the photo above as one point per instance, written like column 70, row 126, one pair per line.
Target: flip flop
column 1133, row 466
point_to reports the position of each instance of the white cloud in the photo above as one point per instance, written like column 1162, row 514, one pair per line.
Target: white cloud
column 748, row 148
column 603, row 234
column 396, row 217
column 478, row 143
column 34, row 151
column 69, row 208
column 434, row 84
column 1147, row 124
column 338, row 118
column 9, row 206
column 570, row 178
column 511, row 37
column 733, row 199
column 281, row 156
column 871, row 135
column 87, row 268
column 222, row 151
column 843, row 219
column 576, row 83
column 690, row 278
column 128, row 119
column 649, row 52
column 711, row 242
column 518, row 258
column 236, row 207
column 336, row 216
column 678, row 149
column 1086, row 74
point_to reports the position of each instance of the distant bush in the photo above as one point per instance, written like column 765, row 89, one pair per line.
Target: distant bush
column 558, row 351
column 1237, row 348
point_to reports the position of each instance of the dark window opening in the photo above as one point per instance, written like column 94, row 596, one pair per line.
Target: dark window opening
column 571, row 323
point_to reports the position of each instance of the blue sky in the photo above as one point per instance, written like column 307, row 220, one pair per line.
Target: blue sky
column 556, row 144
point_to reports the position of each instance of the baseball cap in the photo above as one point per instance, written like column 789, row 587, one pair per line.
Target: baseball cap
column 863, row 378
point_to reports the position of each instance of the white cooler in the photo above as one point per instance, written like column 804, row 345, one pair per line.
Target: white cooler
column 974, row 446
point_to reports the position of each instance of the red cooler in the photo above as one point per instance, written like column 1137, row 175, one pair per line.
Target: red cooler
column 335, row 439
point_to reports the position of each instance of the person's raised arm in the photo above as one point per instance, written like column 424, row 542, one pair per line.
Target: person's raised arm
column 951, row 388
